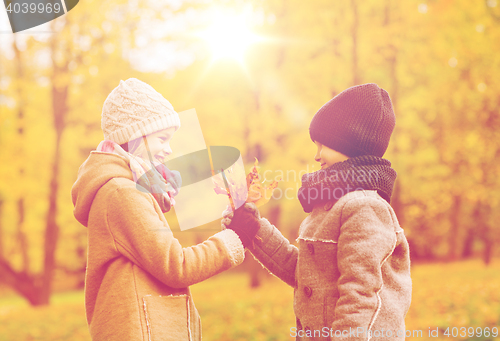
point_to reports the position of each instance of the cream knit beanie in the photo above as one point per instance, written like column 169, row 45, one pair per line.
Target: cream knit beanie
column 134, row 109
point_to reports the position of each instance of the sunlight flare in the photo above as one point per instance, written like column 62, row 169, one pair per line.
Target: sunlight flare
column 229, row 37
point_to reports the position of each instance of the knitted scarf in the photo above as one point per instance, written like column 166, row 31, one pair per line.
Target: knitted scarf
column 161, row 182
column 366, row 172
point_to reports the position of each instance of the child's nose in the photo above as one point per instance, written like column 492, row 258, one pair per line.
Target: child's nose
column 317, row 157
column 167, row 150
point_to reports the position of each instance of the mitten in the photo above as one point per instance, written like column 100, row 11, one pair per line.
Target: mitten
column 245, row 222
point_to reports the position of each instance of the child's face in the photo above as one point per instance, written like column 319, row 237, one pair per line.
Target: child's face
column 159, row 144
column 327, row 157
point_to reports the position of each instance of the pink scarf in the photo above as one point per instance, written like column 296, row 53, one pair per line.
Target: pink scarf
column 152, row 177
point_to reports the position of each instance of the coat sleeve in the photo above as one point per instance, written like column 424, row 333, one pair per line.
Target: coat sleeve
column 140, row 235
column 367, row 239
column 275, row 252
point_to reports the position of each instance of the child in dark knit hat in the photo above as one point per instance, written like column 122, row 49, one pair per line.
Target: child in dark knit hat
column 351, row 269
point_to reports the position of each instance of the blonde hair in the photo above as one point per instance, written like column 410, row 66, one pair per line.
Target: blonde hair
column 136, row 146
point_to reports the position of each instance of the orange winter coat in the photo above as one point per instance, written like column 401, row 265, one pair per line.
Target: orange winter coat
column 138, row 275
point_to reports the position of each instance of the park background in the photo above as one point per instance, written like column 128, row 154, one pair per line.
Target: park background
column 256, row 72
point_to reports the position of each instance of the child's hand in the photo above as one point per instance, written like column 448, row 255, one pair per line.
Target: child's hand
column 244, row 221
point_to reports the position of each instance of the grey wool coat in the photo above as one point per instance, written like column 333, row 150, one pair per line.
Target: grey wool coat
column 350, row 271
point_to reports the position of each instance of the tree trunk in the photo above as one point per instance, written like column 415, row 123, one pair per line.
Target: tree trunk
column 21, row 281
column 467, row 250
column 471, row 232
column 354, row 35
column 488, row 251
column 37, row 288
column 59, row 109
column 254, row 269
column 21, row 103
column 2, row 244
column 486, row 233
column 454, row 227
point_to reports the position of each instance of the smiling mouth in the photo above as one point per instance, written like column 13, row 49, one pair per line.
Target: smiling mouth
column 323, row 164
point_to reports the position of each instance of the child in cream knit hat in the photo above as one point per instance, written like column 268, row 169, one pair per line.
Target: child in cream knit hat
column 138, row 275
column 134, row 109
column 140, row 120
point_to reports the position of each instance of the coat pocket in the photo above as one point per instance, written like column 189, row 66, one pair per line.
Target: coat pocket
column 167, row 318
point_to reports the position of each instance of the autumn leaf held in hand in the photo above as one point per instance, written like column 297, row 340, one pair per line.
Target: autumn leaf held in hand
column 257, row 192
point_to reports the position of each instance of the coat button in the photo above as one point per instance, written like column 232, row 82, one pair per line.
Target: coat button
column 328, row 206
column 310, row 248
column 299, row 325
column 308, row 291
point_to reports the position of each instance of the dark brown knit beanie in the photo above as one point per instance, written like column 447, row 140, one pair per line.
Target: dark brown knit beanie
column 358, row 121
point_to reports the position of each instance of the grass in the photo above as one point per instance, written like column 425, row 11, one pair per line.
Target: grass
column 64, row 319
column 461, row 294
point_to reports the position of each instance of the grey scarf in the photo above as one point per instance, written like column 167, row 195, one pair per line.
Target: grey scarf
column 366, row 172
